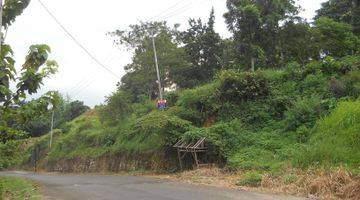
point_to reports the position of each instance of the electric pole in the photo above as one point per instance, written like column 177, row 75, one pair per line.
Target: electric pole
column 1, row 16
column 157, row 68
column 52, row 126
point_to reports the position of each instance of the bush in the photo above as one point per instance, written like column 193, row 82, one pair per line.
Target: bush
column 351, row 83
column 237, row 87
column 166, row 129
column 304, row 112
column 252, row 179
column 117, row 108
column 315, row 84
column 10, row 153
column 200, row 103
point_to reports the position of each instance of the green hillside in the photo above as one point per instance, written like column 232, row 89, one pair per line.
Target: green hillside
column 267, row 120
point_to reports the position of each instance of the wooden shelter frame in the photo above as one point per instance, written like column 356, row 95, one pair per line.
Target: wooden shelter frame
column 184, row 147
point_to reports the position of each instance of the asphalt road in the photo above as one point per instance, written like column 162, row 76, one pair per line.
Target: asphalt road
column 99, row 187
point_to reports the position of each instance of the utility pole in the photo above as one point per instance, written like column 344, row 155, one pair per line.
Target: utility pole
column 157, row 68
column 52, row 126
column 1, row 16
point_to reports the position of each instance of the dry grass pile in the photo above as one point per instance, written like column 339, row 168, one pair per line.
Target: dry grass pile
column 339, row 184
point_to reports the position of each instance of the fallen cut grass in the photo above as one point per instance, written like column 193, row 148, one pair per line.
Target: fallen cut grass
column 338, row 183
column 12, row 188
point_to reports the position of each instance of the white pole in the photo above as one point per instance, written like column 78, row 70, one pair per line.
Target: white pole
column 157, row 69
column 1, row 16
column 52, row 126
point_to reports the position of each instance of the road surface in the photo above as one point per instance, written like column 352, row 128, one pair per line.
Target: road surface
column 102, row 187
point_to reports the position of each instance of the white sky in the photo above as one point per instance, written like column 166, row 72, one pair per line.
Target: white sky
column 89, row 21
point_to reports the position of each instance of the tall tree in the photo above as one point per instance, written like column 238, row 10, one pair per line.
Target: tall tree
column 204, row 48
column 298, row 42
column 141, row 76
column 336, row 39
column 346, row 11
column 255, row 25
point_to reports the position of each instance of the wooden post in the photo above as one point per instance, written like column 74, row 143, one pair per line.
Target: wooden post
column 196, row 159
column 179, row 156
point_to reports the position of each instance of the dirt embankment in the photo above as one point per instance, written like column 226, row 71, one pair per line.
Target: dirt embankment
column 113, row 163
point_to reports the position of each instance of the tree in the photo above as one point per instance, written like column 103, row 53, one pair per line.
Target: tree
column 204, row 49
column 345, row 11
column 255, row 25
column 298, row 42
column 118, row 107
column 336, row 39
column 244, row 22
column 36, row 68
column 74, row 109
column 141, row 73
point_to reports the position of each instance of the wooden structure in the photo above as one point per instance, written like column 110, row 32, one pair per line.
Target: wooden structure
column 184, row 147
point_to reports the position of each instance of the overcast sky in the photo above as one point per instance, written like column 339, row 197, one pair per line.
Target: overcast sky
column 89, row 21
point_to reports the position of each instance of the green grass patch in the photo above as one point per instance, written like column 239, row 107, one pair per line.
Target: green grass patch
column 12, row 188
column 252, row 179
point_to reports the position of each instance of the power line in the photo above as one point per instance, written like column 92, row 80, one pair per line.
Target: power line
column 81, row 83
column 164, row 11
column 76, row 41
column 179, row 10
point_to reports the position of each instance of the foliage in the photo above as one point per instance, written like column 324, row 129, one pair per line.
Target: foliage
column 10, row 153
column 336, row 39
column 166, row 129
column 17, row 188
column 204, row 49
column 298, row 42
column 237, row 87
column 345, row 11
column 252, row 179
column 255, row 25
column 335, row 140
column 199, row 103
column 141, row 78
column 12, row 9
column 118, row 107
column 304, row 112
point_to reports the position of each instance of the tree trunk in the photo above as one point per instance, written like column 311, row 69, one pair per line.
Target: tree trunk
column 252, row 64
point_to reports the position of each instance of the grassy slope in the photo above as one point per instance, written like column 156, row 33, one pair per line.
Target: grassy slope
column 271, row 131
column 12, row 188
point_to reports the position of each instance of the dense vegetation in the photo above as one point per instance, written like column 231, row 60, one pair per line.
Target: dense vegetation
column 280, row 94
column 267, row 120
column 19, row 117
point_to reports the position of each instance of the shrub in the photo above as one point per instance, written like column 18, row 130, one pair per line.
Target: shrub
column 351, row 83
column 199, row 103
column 255, row 157
column 304, row 112
column 10, row 153
column 238, row 87
column 315, row 84
column 167, row 129
column 117, row 108
column 252, row 179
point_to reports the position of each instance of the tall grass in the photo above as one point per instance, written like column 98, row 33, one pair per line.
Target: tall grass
column 336, row 139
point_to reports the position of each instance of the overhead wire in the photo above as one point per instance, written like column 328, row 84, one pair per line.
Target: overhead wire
column 86, row 79
column 166, row 10
column 77, row 42
column 165, row 14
